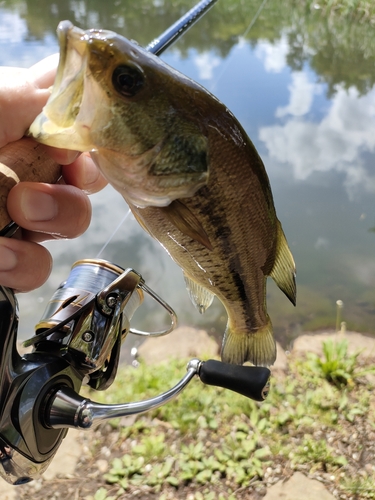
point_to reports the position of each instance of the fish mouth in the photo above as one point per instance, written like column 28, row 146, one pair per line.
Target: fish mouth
column 56, row 125
column 70, row 72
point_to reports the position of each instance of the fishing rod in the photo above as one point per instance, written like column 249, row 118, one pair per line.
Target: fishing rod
column 174, row 32
column 78, row 339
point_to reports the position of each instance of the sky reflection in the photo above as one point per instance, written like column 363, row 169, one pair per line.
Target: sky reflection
column 318, row 152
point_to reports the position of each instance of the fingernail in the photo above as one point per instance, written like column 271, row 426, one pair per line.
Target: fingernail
column 38, row 206
column 68, row 157
column 62, row 156
column 8, row 259
column 91, row 173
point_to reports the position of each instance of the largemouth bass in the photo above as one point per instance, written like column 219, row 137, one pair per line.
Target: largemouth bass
column 187, row 169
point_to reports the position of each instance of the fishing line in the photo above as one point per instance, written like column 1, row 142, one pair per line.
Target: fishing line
column 224, row 67
column 263, row 4
column 113, row 233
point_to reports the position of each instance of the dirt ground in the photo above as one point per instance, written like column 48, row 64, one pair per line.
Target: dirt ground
column 84, row 456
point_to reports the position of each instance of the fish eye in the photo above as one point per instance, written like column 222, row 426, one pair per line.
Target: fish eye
column 127, row 80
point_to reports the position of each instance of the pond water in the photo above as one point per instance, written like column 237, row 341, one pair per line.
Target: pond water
column 303, row 88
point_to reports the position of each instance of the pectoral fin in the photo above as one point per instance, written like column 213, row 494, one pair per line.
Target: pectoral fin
column 200, row 296
column 284, row 269
column 186, row 222
column 184, row 153
column 181, row 166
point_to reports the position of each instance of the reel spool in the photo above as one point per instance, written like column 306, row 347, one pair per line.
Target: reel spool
column 90, row 314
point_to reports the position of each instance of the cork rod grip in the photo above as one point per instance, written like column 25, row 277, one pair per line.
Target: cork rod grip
column 24, row 160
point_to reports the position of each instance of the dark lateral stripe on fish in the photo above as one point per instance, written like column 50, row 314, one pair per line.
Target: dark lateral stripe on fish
column 240, row 287
column 221, row 225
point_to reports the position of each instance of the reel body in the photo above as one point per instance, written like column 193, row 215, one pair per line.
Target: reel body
column 78, row 339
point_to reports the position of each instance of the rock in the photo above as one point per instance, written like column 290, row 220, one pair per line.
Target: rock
column 102, row 465
column 184, row 342
column 8, row 491
column 64, row 463
column 298, row 487
column 66, row 458
column 281, row 362
column 356, row 342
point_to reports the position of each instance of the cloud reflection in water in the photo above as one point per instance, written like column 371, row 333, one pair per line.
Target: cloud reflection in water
column 338, row 141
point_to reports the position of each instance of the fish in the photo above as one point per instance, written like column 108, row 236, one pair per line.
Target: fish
column 187, row 169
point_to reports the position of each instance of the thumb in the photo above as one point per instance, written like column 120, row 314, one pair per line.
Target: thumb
column 23, row 93
column 43, row 72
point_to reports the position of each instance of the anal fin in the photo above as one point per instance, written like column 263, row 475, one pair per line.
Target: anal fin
column 284, row 268
column 199, row 295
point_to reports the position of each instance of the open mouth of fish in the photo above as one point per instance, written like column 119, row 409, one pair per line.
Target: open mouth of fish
column 57, row 124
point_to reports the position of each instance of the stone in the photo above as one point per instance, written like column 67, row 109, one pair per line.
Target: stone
column 102, row 465
column 64, row 463
column 8, row 491
column 184, row 342
column 298, row 487
column 66, row 458
column 281, row 362
column 356, row 342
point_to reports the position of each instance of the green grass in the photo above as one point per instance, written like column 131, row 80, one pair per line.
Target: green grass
column 337, row 365
column 212, row 441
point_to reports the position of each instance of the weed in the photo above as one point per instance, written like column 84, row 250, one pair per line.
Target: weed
column 216, row 439
column 318, row 454
column 101, row 494
column 151, row 447
column 359, row 487
column 338, row 366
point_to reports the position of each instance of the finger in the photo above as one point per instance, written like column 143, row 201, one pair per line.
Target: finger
column 49, row 211
column 84, row 174
column 24, row 265
column 61, row 156
column 43, row 73
column 23, row 93
column 20, row 103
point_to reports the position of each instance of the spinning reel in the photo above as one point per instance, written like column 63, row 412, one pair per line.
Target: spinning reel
column 77, row 341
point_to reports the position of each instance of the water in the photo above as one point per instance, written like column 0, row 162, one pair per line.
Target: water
column 303, row 88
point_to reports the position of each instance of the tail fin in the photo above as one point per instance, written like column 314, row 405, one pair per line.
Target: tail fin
column 259, row 347
column 284, row 269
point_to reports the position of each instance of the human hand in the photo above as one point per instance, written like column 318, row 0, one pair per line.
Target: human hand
column 43, row 211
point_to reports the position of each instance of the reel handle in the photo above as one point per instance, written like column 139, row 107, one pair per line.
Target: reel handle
column 250, row 381
column 66, row 408
column 24, row 160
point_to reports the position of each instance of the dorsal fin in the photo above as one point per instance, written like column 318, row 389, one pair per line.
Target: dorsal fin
column 200, row 296
column 284, row 268
column 186, row 222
